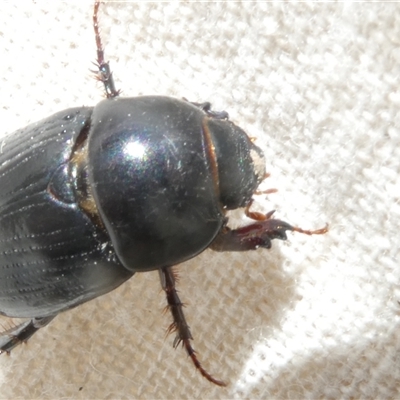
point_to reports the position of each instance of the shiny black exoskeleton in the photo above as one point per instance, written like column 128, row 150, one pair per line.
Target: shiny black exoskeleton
column 91, row 195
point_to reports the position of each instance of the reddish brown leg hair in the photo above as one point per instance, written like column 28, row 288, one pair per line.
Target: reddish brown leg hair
column 179, row 324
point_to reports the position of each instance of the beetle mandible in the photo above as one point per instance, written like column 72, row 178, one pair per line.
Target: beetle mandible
column 92, row 195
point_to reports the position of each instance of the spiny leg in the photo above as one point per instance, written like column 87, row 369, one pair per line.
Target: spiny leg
column 21, row 333
column 258, row 234
column 104, row 73
column 179, row 324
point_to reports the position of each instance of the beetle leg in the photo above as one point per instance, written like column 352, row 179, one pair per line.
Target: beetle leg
column 104, row 73
column 259, row 234
column 21, row 333
column 184, row 336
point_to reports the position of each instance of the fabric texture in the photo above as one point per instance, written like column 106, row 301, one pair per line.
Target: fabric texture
column 317, row 86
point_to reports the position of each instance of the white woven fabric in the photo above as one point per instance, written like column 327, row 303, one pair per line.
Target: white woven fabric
column 318, row 86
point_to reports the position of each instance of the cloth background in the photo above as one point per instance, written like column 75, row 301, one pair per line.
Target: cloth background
column 317, row 84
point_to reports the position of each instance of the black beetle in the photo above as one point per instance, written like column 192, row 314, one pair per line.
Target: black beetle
column 92, row 195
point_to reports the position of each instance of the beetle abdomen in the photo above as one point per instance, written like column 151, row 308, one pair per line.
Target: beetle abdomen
column 52, row 257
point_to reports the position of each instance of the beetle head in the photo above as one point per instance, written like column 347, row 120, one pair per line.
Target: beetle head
column 240, row 163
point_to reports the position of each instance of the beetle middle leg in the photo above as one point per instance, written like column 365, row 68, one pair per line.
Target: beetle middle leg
column 179, row 324
column 104, row 73
column 21, row 333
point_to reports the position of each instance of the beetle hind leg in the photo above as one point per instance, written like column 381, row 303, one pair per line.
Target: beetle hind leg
column 179, row 325
column 21, row 333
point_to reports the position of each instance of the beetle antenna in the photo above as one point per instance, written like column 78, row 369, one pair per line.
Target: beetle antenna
column 184, row 336
column 104, row 73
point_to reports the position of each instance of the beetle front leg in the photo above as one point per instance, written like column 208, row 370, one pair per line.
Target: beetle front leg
column 179, row 324
column 258, row 234
column 21, row 333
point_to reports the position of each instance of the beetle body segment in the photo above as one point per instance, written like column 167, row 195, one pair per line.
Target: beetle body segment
column 52, row 257
column 152, row 180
